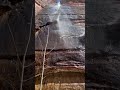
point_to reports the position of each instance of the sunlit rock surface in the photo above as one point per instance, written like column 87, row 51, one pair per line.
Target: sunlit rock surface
column 63, row 34
column 65, row 56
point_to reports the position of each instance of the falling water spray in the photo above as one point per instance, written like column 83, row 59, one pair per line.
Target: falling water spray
column 58, row 1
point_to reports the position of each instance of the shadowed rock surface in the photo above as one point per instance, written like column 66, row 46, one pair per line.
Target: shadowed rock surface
column 15, row 23
column 102, row 44
column 15, row 18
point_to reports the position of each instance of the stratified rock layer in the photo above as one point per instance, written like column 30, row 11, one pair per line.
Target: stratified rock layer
column 65, row 56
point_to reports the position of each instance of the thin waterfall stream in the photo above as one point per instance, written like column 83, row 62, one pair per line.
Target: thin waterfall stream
column 62, row 30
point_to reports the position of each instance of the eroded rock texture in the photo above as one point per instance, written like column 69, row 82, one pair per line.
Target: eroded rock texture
column 65, row 33
column 102, row 44
column 65, row 56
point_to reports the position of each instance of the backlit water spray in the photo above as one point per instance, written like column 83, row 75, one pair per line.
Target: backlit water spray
column 67, row 31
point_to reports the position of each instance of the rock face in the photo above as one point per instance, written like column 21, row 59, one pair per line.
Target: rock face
column 102, row 31
column 102, row 45
column 15, row 18
column 65, row 52
column 12, row 16
column 63, row 70
column 65, row 34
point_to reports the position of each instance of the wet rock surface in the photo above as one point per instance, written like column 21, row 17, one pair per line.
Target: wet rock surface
column 65, row 53
column 66, row 33
column 59, row 54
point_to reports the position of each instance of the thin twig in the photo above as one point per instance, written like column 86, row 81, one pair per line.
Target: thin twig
column 29, row 64
column 40, row 41
column 21, row 84
column 52, row 49
column 44, row 57
column 18, row 58
column 14, row 42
